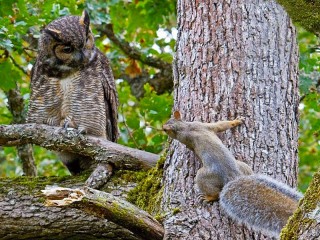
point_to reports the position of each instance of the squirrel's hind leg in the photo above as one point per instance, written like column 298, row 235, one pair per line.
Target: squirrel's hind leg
column 209, row 184
column 244, row 168
column 202, row 198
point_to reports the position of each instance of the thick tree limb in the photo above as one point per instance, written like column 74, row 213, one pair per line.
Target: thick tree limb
column 23, row 214
column 105, row 205
column 56, row 138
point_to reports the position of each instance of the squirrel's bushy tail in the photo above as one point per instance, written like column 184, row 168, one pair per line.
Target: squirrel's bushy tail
column 259, row 202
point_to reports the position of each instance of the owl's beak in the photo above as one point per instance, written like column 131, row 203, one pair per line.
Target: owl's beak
column 81, row 57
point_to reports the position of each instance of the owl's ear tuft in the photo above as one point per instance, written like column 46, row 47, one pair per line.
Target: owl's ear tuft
column 85, row 20
column 53, row 33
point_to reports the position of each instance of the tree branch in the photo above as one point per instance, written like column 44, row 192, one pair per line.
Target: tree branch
column 56, row 138
column 105, row 205
column 25, row 152
column 162, row 81
column 131, row 51
column 18, row 66
column 304, row 223
column 23, row 214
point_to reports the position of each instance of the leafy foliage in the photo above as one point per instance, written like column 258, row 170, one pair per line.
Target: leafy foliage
column 140, row 120
column 309, row 141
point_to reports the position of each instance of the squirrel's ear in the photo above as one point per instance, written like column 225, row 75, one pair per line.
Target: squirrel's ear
column 177, row 115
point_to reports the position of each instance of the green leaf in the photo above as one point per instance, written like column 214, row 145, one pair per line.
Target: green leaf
column 133, row 122
column 9, row 75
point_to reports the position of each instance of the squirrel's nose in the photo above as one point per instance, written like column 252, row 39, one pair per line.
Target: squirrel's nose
column 165, row 127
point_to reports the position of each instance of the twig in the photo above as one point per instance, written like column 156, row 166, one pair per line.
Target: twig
column 128, row 129
column 131, row 51
column 17, row 65
column 155, row 128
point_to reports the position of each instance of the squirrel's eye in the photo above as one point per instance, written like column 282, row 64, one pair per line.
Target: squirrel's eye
column 67, row 49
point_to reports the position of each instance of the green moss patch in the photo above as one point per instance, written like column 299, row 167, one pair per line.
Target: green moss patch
column 147, row 194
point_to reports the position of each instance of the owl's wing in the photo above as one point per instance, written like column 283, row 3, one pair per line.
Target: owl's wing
column 32, row 114
column 111, row 99
column 44, row 102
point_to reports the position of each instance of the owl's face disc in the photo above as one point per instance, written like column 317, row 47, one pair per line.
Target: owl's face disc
column 67, row 43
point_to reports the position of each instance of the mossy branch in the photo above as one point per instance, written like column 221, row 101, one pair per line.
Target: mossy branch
column 105, row 205
column 23, row 214
column 304, row 223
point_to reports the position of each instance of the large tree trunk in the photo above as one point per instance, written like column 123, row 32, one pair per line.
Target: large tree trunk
column 234, row 58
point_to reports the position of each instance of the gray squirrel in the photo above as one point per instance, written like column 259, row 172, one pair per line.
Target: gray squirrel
column 260, row 202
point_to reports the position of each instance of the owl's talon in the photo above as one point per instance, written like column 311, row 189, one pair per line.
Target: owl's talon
column 65, row 124
column 82, row 130
column 69, row 122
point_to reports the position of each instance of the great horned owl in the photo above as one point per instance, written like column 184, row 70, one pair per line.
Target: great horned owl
column 72, row 84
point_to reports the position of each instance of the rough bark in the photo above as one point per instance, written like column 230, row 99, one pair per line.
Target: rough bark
column 305, row 223
column 23, row 214
column 16, row 107
column 56, row 138
column 234, row 58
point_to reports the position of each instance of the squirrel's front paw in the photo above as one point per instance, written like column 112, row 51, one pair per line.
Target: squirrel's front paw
column 239, row 120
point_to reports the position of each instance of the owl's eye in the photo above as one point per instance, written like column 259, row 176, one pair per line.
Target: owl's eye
column 67, row 49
